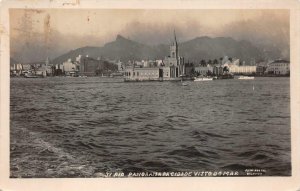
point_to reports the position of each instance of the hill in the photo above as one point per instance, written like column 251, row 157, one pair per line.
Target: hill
column 193, row 50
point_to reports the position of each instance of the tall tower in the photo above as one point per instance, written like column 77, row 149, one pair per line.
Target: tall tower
column 174, row 48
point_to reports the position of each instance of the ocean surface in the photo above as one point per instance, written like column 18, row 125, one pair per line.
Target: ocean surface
column 87, row 127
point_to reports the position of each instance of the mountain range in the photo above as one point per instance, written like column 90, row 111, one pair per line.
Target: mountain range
column 193, row 50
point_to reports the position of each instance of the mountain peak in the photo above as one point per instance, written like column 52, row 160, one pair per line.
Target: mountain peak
column 120, row 37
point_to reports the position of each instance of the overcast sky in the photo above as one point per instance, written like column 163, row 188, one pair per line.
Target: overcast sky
column 38, row 33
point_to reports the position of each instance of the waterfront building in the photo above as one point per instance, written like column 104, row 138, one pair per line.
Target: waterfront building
column 41, row 72
column 26, row 67
column 261, row 68
column 120, row 66
column 242, row 69
column 160, row 63
column 70, row 68
column 91, row 67
column 204, row 70
column 171, row 68
column 139, row 64
column 88, row 66
column 142, row 74
column 218, row 70
column 145, row 63
column 44, row 69
column 235, row 68
column 278, row 67
column 58, row 70
column 16, row 69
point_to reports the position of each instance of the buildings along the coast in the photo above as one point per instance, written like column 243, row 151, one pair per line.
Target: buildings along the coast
column 171, row 68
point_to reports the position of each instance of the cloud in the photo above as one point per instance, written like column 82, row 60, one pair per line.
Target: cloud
column 270, row 30
column 162, row 33
column 36, row 34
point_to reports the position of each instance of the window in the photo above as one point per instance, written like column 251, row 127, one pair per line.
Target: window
column 137, row 73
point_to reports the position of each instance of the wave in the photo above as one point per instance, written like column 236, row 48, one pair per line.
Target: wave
column 188, row 152
column 214, row 135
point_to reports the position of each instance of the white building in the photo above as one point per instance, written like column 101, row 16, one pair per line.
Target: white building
column 26, row 67
column 242, row 69
column 78, row 58
column 69, row 67
column 120, row 66
column 279, row 67
column 234, row 67
column 204, row 70
column 141, row 74
column 159, row 62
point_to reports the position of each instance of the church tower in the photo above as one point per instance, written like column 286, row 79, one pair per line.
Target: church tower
column 174, row 61
column 174, row 48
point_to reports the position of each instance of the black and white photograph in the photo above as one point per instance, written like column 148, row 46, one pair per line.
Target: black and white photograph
column 144, row 93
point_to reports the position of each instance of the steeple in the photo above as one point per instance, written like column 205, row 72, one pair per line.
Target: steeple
column 175, row 40
column 174, row 47
column 176, row 44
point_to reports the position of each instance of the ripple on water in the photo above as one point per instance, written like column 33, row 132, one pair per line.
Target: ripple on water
column 63, row 127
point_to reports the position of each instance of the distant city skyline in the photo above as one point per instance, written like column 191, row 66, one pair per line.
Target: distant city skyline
column 36, row 34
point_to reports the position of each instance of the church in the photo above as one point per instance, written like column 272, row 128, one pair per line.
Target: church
column 174, row 61
column 172, row 68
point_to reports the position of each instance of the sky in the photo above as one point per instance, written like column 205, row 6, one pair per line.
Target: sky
column 38, row 33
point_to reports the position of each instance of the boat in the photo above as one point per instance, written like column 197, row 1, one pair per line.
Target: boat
column 246, row 78
column 203, row 79
column 29, row 75
column 225, row 77
column 184, row 84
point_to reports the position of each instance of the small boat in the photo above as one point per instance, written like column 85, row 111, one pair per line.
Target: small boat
column 246, row 78
column 31, row 76
column 184, row 84
column 203, row 79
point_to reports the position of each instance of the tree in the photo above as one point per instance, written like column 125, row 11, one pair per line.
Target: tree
column 203, row 63
column 209, row 62
column 225, row 69
column 221, row 59
column 215, row 62
column 193, row 71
